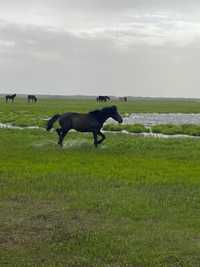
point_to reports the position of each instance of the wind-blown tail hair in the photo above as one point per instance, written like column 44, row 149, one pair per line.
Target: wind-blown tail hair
column 51, row 121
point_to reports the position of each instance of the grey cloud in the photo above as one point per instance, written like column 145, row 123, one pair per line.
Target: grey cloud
column 51, row 60
column 64, row 6
column 125, row 4
column 56, row 62
column 141, row 48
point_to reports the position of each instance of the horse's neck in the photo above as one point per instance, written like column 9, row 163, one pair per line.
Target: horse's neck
column 104, row 117
column 100, row 116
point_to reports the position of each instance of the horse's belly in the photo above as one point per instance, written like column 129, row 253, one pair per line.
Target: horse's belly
column 84, row 130
column 84, row 126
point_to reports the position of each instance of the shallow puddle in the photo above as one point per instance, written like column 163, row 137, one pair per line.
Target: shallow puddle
column 10, row 126
column 68, row 143
column 148, row 119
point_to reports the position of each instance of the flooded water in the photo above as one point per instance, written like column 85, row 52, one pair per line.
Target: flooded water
column 10, row 126
column 156, row 135
column 149, row 119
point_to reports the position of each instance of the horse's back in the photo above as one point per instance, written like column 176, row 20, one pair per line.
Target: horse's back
column 84, row 122
column 65, row 119
column 73, row 116
column 79, row 121
column 69, row 114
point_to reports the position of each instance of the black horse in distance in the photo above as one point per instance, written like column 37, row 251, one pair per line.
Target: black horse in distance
column 10, row 97
column 32, row 98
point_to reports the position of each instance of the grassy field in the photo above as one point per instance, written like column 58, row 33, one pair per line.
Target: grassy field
column 131, row 202
column 168, row 129
column 23, row 114
column 131, row 128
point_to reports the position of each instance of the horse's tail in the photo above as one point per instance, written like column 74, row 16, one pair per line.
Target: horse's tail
column 51, row 121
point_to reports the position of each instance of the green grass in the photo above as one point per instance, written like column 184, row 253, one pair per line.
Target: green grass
column 131, row 128
column 169, row 129
column 131, row 202
column 23, row 114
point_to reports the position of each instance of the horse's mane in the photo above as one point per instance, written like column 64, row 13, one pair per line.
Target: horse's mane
column 94, row 112
column 99, row 113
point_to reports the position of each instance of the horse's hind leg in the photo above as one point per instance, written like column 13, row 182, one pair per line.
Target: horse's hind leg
column 103, row 137
column 62, row 135
column 95, row 139
column 59, row 130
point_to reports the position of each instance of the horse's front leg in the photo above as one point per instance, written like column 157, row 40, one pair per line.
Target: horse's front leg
column 103, row 137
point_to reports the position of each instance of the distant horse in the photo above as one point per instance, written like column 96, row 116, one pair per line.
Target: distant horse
column 84, row 122
column 124, row 98
column 102, row 98
column 10, row 97
column 31, row 98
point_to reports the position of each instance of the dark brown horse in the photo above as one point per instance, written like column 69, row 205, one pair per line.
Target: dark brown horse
column 10, row 97
column 31, row 98
column 84, row 122
column 103, row 98
column 124, row 98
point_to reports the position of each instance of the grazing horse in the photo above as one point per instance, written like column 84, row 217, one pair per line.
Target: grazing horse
column 10, row 97
column 32, row 98
column 124, row 98
column 102, row 98
column 84, row 122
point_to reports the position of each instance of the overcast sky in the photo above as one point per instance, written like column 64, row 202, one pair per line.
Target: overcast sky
column 113, row 47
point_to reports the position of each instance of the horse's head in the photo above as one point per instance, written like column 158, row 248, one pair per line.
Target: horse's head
column 114, row 114
column 108, row 112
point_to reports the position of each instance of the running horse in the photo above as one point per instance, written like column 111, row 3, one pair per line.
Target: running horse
column 31, row 98
column 10, row 97
column 84, row 122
